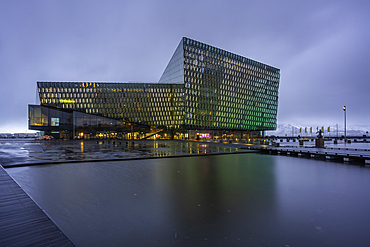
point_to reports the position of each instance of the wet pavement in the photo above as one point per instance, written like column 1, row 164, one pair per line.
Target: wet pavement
column 17, row 152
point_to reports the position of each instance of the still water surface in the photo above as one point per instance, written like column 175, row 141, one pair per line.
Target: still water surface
column 223, row 200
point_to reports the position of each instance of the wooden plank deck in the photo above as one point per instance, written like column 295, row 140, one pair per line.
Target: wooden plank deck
column 22, row 222
column 348, row 155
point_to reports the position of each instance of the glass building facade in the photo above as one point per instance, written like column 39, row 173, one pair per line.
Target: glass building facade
column 202, row 88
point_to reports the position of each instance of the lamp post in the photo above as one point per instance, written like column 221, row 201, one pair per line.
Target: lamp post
column 345, row 123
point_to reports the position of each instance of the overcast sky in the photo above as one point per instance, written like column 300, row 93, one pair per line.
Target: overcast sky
column 321, row 47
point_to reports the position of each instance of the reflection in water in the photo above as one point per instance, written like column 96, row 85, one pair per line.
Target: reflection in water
column 224, row 200
column 31, row 151
column 217, row 197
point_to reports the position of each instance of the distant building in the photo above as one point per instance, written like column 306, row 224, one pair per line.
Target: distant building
column 202, row 88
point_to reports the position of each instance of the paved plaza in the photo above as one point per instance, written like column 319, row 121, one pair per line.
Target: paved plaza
column 21, row 152
column 24, row 152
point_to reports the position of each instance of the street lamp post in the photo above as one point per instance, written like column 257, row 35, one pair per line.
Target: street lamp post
column 345, row 123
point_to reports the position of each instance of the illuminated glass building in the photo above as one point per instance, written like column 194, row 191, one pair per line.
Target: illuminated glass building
column 202, row 88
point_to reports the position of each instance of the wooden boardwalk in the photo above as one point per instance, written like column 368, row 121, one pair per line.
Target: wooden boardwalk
column 22, row 222
column 348, row 155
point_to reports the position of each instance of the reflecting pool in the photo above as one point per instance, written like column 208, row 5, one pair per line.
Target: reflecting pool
column 222, row 200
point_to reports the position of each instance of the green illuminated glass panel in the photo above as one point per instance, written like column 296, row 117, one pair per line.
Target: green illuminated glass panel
column 202, row 87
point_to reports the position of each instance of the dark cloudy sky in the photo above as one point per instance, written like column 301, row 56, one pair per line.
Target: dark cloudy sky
column 322, row 48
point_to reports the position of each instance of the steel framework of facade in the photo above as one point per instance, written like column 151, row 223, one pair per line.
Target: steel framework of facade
column 202, row 87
